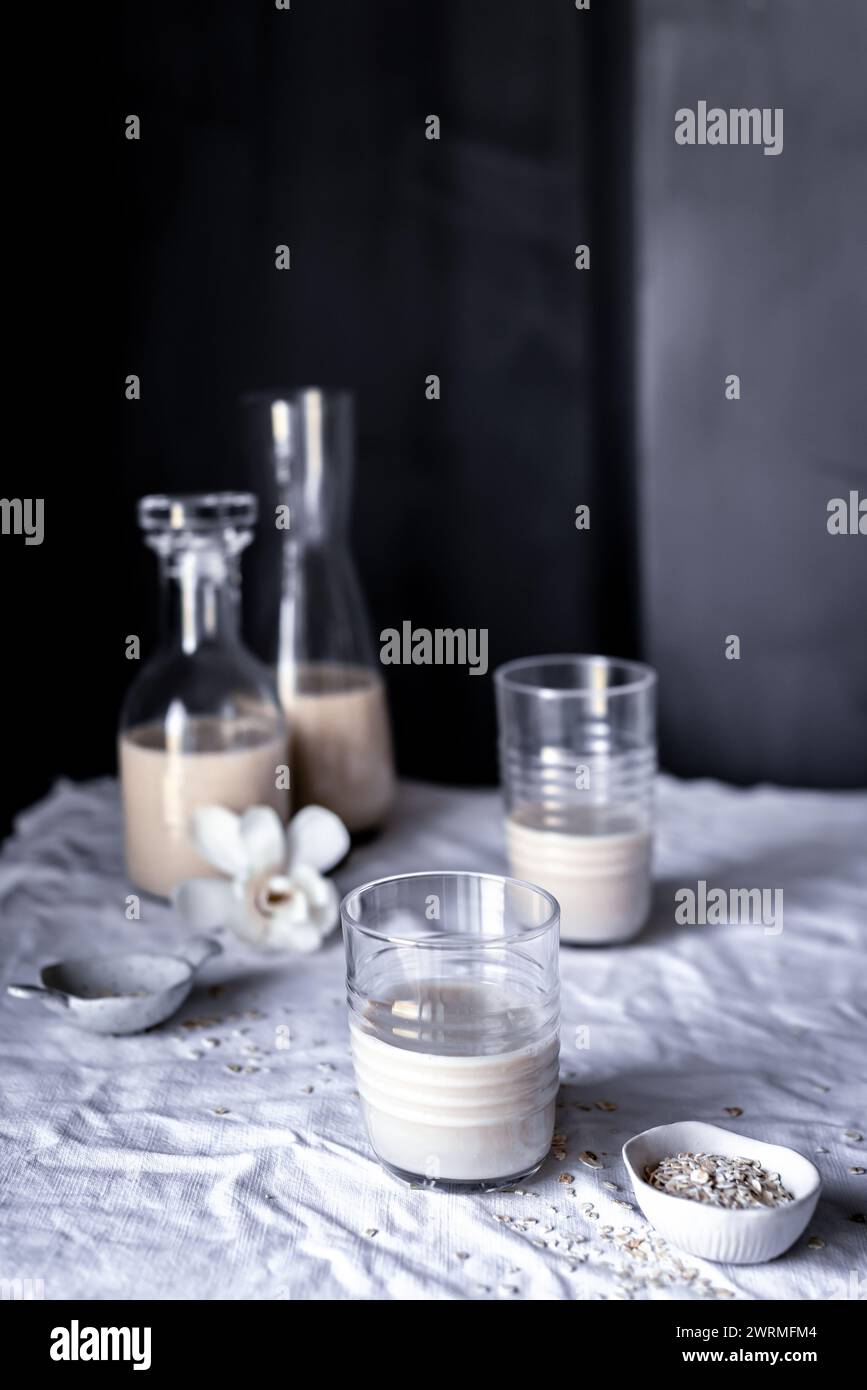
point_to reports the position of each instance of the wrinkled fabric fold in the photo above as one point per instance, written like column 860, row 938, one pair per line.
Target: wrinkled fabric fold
column 222, row 1155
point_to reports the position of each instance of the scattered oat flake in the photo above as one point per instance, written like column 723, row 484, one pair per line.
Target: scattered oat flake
column 816, row 1243
column 734, row 1111
column 221, row 1110
column 605, row 1105
column 859, row 1172
column 853, row 1135
column 307, row 1090
column 612, row 1186
column 200, row 1023
column 565, row 1177
column 371, row 1231
column 233, row 1066
column 462, row 1254
column 589, row 1159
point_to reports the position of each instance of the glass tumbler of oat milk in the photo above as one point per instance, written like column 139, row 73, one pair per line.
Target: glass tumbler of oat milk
column 577, row 742
column 454, row 1007
column 201, row 723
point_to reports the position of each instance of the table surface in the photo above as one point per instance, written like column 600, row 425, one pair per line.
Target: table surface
column 123, row 1178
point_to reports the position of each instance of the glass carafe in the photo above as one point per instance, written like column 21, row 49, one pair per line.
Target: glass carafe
column 329, row 679
column 201, row 723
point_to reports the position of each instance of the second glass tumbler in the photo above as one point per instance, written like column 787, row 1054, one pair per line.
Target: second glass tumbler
column 577, row 741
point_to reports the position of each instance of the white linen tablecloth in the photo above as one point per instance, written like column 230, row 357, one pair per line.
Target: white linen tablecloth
column 121, row 1179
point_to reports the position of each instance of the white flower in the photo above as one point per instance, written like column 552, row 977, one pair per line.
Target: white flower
column 275, row 895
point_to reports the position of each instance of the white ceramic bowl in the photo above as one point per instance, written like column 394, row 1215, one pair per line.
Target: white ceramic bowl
column 716, row 1233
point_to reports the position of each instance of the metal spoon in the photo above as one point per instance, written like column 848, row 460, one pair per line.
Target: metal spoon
column 120, row 993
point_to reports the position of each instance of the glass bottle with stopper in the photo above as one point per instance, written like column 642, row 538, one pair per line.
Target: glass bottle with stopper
column 328, row 677
column 202, row 722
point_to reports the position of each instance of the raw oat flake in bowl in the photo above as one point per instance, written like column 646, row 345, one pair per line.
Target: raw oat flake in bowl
column 719, row 1195
column 737, row 1183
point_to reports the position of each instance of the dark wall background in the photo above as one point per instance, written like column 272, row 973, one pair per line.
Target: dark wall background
column 755, row 265
column 411, row 257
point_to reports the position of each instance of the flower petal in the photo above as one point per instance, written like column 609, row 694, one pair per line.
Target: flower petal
column 246, row 923
column 312, row 884
column 203, row 902
column 317, row 837
column 326, row 912
column 216, row 834
column 295, row 909
column 284, row 935
column 263, row 835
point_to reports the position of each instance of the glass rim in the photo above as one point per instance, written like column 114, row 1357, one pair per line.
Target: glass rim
column 644, row 676
column 445, row 942
column 294, row 395
column 197, row 511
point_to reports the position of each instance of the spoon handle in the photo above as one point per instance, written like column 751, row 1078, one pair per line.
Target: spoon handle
column 37, row 992
column 199, row 949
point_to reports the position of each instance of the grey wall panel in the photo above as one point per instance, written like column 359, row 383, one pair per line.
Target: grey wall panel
column 754, row 264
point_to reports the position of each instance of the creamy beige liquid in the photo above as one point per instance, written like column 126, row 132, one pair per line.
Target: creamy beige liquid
column 595, row 861
column 340, row 737
column 472, row 1101
column 237, row 768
